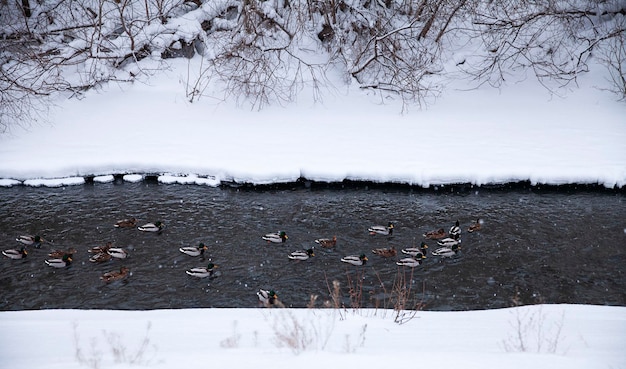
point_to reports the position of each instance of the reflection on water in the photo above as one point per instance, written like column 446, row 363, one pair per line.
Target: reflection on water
column 541, row 246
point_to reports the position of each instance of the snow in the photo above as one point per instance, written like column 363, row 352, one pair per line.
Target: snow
column 484, row 136
column 555, row 336
column 519, row 132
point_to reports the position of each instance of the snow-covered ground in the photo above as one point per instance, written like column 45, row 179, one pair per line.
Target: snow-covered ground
column 518, row 133
column 483, row 136
column 540, row 336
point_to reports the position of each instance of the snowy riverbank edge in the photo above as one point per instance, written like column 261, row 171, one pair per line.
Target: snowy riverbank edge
column 538, row 336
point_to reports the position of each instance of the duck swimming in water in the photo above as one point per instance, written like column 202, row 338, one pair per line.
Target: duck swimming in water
column 355, row 260
column 378, row 229
column 194, row 250
column 416, row 251
column 327, row 242
column 201, row 272
column 278, row 237
column 301, row 255
column 16, row 254
column 152, row 227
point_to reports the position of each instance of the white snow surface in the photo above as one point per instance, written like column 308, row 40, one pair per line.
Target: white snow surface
column 554, row 336
column 482, row 136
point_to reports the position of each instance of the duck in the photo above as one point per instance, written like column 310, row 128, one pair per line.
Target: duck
column 57, row 254
column 152, row 227
column 447, row 252
column 101, row 249
column 126, row 223
column 202, row 272
column 16, row 254
column 278, row 237
column 63, row 262
column 475, row 226
column 301, row 255
column 416, row 251
column 355, row 260
column 114, row 275
column 411, row 262
column 327, row 242
column 267, row 297
column 100, row 257
column 118, row 253
column 386, row 252
column 436, row 235
column 30, row 240
column 378, row 229
column 449, row 241
column 455, row 230
column 194, row 250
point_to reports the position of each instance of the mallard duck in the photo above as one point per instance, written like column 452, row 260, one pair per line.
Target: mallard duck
column 411, row 262
column 436, row 235
column 447, row 252
column 416, row 251
column 327, row 242
column 126, row 223
column 15, row 254
column 100, row 257
column 449, row 241
column 378, row 229
column 202, row 272
column 114, row 275
column 267, row 297
column 455, row 230
column 194, row 250
column 63, row 262
column 355, row 260
column 277, row 237
column 101, row 249
column 386, row 252
column 152, row 227
column 475, row 226
column 30, row 240
column 118, row 252
column 58, row 254
column 301, row 255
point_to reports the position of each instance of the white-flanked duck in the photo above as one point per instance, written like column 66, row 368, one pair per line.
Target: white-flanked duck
column 31, row 240
column 278, row 237
column 63, row 262
column 416, row 251
column 449, row 241
column 16, row 254
column 269, row 298
column 194, row 250
column 355, row 260
column 152, row 227
column 447, row 252
column 118, row 252
column 301, row 254
column 455, row 230
column 202, row 272
column 384, row 230
column 411, row 262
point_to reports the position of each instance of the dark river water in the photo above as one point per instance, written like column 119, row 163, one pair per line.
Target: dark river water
column 535, row 246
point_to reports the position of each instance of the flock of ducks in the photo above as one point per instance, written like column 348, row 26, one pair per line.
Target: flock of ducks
column 449, row 244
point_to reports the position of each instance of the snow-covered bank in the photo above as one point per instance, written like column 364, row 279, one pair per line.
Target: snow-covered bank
column 519, row 133
column 553, row 336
